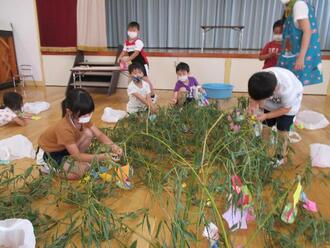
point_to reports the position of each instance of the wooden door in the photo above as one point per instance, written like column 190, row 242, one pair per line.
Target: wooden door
column 8, row 65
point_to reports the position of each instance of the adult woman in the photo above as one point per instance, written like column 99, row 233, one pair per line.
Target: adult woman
column 301, row 51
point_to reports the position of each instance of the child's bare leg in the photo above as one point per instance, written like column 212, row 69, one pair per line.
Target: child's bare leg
column 75, row 170
column 85, row 140
column 182, row 96
column 283, row 136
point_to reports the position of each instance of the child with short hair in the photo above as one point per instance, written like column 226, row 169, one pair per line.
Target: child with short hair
column 279, row 92
column 272, row 49
column 11, row 110
column 138, row 91
column 133, row 47
column 71, row 136
column 185, row 86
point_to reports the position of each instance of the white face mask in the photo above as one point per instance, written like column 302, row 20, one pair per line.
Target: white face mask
column 277, row 37
column 183, row 78
column 85, row 119
column 285, row 1
column 132, row 35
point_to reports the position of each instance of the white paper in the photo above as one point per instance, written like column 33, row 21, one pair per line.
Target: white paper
column 211, row 231
column 236, row 217
column 320, row 155
column 17, row 233
column 35, row 107
column 311, row 120
column 112, row 115
column 18, row 147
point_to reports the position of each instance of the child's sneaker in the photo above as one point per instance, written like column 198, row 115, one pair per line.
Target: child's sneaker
column 44, row 169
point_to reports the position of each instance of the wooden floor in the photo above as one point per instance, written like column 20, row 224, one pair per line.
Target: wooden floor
column 318, row 191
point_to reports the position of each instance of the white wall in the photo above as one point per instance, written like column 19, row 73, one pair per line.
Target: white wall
column 22, row 14
column 162, row 71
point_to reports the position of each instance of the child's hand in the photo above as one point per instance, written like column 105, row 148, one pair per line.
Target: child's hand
column 116, row 149
column 299, row 63
column 262, row 117
column 27, row 115
column 201, row 90
column 254, row 105
column 174, row 101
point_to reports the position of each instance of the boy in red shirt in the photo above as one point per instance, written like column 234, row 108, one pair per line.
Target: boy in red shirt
column 133, row 48
column 272, row 49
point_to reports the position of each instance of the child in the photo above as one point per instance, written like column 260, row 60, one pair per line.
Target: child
column 279, row 92
column 272, row 49
column 133, row 47
column 71, row 136
column 138, row 91
column 11, row 111
column 185, row 86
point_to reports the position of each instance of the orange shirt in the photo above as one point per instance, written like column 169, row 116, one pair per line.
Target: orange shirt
column 63, row 133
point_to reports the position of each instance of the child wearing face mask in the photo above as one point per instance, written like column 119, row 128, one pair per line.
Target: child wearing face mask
column 133, row 48
column 185, row 86
column 139, row 93
column 272, row 49
column 71, row 137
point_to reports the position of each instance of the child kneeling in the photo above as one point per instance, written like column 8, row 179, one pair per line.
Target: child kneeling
column 279, row 92
column 186, row 86
column 138, row 92
column 71, row 137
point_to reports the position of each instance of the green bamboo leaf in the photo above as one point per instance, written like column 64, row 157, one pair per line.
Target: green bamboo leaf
column 28, row 172
column 134, row 244
column 158, row 229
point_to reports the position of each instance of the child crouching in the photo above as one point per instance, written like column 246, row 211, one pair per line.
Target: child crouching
column 279, row 93
column 138, row 92
column 71, row 136
column 186, row 87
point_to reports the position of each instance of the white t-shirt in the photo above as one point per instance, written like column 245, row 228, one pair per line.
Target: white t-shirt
column 136, row 45
column 134, row 104
column 299, row 12
column 6, row 116
column 288, row 92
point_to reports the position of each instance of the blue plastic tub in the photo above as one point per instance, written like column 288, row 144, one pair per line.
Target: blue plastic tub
column 218, row 90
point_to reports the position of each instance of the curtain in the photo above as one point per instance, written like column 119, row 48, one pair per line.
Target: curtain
column 91, row 25
column 57, row 24
column 176, row 23
column 322, row 12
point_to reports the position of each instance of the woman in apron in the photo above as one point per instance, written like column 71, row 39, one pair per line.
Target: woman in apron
column 301, row 51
